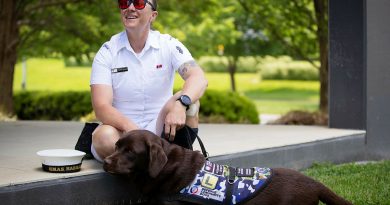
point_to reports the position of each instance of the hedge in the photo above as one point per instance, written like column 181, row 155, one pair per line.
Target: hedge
column 230, row 106
column 219, row 64
column 270, row 68
column 290, row 73
column 52, row 105
column 216, row 106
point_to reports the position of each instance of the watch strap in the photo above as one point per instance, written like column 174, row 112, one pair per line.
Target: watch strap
column 186, row 106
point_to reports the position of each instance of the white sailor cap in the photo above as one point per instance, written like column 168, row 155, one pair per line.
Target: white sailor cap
column 61, row 160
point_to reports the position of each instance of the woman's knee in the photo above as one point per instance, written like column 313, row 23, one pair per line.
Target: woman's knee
column 193, row 110
column 104, row 138
column 192, row 119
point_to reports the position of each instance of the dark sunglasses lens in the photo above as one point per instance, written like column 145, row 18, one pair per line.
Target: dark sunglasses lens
column 139, row 4
column 123, row 4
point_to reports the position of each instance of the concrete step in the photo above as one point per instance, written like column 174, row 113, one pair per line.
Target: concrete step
column 24, row 182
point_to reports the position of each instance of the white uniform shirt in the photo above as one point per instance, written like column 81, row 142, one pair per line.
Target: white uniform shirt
column 142, row 83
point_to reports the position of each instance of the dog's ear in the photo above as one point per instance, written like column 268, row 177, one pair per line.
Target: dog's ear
column 157, row 158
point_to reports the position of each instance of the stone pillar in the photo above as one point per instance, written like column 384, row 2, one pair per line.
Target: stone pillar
column 359, row 70
column 378, row 78
column 346, row 64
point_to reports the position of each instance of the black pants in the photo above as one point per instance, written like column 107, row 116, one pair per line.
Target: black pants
column 185, row 137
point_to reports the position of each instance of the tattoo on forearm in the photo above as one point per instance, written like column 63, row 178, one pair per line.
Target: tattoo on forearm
column 185, row 67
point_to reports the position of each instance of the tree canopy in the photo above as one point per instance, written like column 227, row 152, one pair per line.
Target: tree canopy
column 241, row 27
column 72, row 29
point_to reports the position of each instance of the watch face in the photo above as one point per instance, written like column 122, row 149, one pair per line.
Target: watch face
column 185, row 99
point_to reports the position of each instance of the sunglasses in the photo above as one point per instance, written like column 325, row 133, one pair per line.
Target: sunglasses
column 138, row 4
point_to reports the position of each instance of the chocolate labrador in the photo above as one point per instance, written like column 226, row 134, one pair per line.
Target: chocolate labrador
column 176, row 175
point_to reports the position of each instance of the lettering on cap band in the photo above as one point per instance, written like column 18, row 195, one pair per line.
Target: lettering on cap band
column 62, row 169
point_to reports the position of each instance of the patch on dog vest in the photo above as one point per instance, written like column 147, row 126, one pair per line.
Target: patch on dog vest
column 217, row 184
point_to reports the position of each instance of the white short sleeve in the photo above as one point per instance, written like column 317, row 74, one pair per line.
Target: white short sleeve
column 179, row 54
column 101, row 67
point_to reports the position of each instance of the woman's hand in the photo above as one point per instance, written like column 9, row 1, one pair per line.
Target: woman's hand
column 174, row 120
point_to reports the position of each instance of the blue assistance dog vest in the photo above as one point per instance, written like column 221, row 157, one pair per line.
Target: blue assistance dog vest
column 221, row 184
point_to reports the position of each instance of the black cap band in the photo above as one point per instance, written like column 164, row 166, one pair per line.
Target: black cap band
column 62, row 169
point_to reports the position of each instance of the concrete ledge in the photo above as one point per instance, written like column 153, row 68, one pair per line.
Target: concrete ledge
column 301, row 156
column 99, row 188
column 103, row 188
column 23, row 181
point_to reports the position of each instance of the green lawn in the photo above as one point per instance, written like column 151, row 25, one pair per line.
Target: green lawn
column 367, row 184
column 271, row 97
column 52, row 75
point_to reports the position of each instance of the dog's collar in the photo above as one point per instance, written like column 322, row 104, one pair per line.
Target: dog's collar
column 221, row 184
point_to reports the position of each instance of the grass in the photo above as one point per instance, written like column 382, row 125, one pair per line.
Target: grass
column 52, row 75
column 362, row 184
column 271, row 97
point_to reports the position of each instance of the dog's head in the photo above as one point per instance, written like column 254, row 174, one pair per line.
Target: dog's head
column 137, row 151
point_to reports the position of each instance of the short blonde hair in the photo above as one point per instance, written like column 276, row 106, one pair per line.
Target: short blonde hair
column 154, row 2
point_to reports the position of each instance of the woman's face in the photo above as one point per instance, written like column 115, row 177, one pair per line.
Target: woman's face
column 133, row 18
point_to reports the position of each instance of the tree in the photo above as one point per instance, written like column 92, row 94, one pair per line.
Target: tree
column 203, row 26
column 200, row 25
column 301, row 26
column 9, row 40
column 251, row 42
column 245, row 27
column 50, row 27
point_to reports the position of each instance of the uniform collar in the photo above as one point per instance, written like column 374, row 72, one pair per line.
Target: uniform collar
column 152, row 41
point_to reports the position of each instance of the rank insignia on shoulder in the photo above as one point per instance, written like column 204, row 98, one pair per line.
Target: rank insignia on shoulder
column 179, row 49
column 119, row 70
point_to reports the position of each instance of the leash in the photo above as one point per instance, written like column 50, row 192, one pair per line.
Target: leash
column 188, row 136
column 202, row 147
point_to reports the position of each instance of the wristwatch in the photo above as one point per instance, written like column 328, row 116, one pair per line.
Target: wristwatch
column 185, row 101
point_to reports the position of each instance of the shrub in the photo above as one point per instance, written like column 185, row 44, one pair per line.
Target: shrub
column 219, row 64
column 213, row 64
column 216, row 106
column 300, row 117
column 227, row 107
column 52, row 105
column 284, row 68
column 84, row 61
column 289, row 73
column 271, row 68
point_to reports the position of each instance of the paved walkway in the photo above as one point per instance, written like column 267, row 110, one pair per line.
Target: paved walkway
column 20, row 140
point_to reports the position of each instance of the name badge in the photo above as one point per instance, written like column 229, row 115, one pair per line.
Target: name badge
column 119, row 70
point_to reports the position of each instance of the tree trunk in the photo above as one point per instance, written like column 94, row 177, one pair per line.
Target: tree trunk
column 232, row 67
column 9, row 39
column 321, row 10
column 324, row 83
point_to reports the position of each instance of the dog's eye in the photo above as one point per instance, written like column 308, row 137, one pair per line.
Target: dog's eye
column 128, row 151
column 131, row 156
